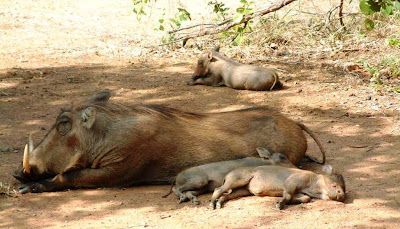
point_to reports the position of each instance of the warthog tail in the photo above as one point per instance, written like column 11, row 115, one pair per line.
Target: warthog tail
column 275, row 80
column 317, row 141
column 170, row 189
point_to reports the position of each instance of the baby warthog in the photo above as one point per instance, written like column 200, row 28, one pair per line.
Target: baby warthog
column 215, row 69
column 294, row 185
column 205, row 178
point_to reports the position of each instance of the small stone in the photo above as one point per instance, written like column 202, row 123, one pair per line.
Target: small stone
column 282, row 53
column 300, row 90
column 16, row 151
column 274, row 46
column 7, row 149
column 369, row 98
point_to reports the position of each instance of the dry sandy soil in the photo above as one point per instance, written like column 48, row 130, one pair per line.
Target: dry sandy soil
column 56, row 52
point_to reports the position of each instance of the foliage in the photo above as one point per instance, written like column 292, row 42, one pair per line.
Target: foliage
column 174, row 22
column 138, row 7
column 238, row 32
column 393, row 41
column 241, row 29
column 370, row 7
column 220, row 9
column 388, row 67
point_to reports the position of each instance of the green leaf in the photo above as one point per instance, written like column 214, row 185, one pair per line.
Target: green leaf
column 237, row 18
column 392, row 41
column 185, row 13
column 369, row 7
column 182, row 18
column 248, row 11
column 240, row 10
column 387, row 10
column 369, row 24
column 243, row 2
column 239, row 39
column 397, row 5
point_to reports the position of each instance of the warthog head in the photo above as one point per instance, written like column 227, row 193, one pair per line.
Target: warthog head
column 334, row 187
column 62, row 148
column 202, row 68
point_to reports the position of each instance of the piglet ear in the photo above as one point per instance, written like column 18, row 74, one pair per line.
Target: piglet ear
column 263, row 152
column 210, row 56
column 88, row 116
column 327, row 169
column 216, row 49
column 102, row 96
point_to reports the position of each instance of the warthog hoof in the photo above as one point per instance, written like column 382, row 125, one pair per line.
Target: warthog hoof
column 195, row 201
column 182, row 199
column 212, row 205
column 31, row 187
column 279, row 205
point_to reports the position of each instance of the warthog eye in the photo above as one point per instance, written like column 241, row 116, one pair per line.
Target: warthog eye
column 64, row 125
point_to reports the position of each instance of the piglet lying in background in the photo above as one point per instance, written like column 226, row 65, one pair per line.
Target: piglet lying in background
column 215, row 69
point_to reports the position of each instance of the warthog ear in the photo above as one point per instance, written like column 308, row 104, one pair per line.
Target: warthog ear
column 102, row 96
column 88, row 116
column 328, row 169
column 210, row 56
column 216, row 49
column 263, row 152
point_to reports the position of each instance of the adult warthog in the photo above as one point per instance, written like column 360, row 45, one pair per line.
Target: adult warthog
column 102, row 143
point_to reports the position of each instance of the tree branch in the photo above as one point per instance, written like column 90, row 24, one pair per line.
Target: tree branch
column 229, row 23
column 341, row 15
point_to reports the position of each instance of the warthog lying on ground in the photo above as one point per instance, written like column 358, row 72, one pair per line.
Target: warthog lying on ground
column 215, row 69
column 205, row 178
column 102, row 143
column 294, row 185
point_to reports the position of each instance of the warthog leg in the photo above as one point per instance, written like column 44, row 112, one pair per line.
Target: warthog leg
column 290, row 187
column 300, row 198
column 233, row 195
column 192, row 195
column 192, row 198
column 235, row 179
column 182, row 197
column 83, row 178
column 194, row 185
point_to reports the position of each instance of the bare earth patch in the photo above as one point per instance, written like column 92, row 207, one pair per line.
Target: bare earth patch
column 52, row 53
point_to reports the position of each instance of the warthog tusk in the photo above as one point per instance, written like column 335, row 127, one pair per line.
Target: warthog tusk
column 25, row 162
column 30, row 144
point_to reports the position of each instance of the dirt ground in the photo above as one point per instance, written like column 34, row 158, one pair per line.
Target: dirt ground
column 55, row 52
